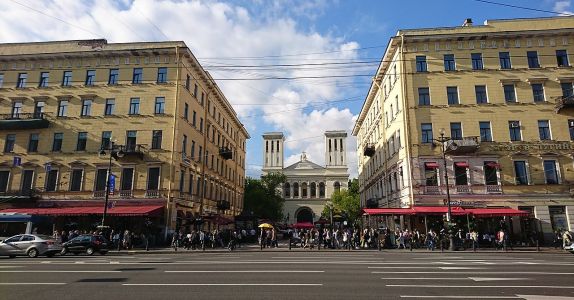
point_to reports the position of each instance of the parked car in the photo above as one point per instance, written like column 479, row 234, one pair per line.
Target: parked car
column 86, row 243
column 31, row 245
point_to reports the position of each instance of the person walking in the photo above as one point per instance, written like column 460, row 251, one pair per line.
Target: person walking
column 566, row 239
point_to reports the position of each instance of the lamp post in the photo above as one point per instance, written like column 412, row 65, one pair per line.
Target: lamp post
column 114, row 153
column 442, row 140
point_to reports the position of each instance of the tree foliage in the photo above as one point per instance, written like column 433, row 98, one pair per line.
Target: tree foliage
column 346, row 202
column 263, row 196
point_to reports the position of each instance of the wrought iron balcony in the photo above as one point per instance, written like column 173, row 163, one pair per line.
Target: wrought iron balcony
column 563, row 103
column 462, row 146
column 126, row 194
column 463, row 189
column 432, row 190
column 372, row 203
column 19, row 196
column 152, row 193
column 369, row 150
column 223, row 205
column 132, row 150
column 226, row 153
column 494, row 189
column 23, row 121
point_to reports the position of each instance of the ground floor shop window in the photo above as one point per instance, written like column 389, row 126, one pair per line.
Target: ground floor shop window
column 558, row 217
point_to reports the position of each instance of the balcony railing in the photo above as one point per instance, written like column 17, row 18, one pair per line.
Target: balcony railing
column 463, row 189
column 432, row 190
column 563, row 103
column 99, row 194
column 152, row 193
column 126, row 194
column 18, row 121
column 369, row 150
column 21, row 195
column 462, row 146
column 132, row 150
column 493, row 189
column 226, row 153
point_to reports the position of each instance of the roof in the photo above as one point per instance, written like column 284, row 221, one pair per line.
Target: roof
column 304, row 165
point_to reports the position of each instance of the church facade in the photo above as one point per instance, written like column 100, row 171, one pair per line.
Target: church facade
column 308, row 186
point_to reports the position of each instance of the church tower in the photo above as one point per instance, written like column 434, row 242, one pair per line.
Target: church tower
column 336, row 149
column 272, row 152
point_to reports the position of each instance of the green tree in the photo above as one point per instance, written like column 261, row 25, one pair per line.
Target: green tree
column 346, row 202
column 263, row 196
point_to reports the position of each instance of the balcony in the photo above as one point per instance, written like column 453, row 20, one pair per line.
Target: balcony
column 226, row 153
column 564, row 103
column 369, row 150
column 23, row 121
column 126, row 194
column 135, row 150
column 223, row 205
column 493, row 189
column 465, row 145
column 18, row 196
column 372, row 203
column 463, row 189
column 152, row 194
column 432, row 190
column 99, row 194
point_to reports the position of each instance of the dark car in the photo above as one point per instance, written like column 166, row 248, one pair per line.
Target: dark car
column 86, row 243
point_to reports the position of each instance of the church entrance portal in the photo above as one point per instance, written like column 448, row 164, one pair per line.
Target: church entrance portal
column 304, row 214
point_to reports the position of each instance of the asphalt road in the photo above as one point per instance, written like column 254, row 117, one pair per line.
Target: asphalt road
column 291, row 275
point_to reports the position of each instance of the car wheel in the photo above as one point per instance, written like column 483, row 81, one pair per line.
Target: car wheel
column 33, row 253
column 103, row 252
column 64, row 251
column 90, row 251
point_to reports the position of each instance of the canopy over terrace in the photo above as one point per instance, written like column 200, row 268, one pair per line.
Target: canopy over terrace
column 441, row 210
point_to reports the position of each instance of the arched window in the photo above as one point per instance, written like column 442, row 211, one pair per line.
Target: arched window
column 313, row 190
column 321, row 190
column 287, row 189
column 295, row 189
column 337, row 186
column 304, row 190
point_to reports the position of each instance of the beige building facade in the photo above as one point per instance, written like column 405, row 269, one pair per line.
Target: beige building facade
column 502, row 95
column 181, row 145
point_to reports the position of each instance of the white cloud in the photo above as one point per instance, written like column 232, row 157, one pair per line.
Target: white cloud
column 214, row 30
column 563, row 6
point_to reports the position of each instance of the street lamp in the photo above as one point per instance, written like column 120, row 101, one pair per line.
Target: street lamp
column 116, row 154
column 442, row 140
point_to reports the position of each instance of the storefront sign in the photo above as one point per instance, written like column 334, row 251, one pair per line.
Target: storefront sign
column 463, row 203
column 529, row 147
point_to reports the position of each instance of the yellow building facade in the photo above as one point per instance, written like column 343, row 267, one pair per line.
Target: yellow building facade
column 178, row 145
column 502, row 95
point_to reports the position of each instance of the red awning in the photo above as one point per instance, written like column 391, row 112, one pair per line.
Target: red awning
column 438, row 210
column 388, row 211
column 431, row 165
column 303, row 225
column 497, row 212
column 142, row 210
column 461, row 164
column 493, row 164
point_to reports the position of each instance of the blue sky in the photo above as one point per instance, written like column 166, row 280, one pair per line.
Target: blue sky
column 227, row 35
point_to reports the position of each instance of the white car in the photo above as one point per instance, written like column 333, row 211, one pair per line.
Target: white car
column 31, row 245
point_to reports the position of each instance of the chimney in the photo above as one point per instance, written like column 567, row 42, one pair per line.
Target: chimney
column 467, row 22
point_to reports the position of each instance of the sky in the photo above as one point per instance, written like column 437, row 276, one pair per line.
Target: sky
column 300, row 67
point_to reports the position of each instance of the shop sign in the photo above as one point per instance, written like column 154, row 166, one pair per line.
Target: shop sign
column 463, row 203
column 529, row 147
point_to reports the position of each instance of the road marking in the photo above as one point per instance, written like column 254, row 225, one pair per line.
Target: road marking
column 80, row 262
column 421, row 278
column 543, row 297
column 443, row 268
column 495, row 279
column 470, row 272
column 245, row 271
column 32, row 283
column 460, row 268
column 463, row 297
column 6, row 267
column 56, row 271
column 222, row 284
column 481, row 286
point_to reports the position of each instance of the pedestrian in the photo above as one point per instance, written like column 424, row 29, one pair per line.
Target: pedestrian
column 566, row 239
column 175, row 241
column 274, row 238
column 474, row 239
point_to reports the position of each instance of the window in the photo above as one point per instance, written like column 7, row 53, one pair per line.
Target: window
column 16, row 109
column 90, row 77
column 186, row 112
column 4, row 178
column 187, row 81
column 192, row 149
column 452, row 95
column 287, row 189
column 82, row 139
column 321, row 190
column 156, row 139
column 159, row 105
column 113, row 77
column 460, row 173
column 295, row 189
column 538, row 92
column 424, row 96
column 184, row 146
column 199, row 153
column 153, row 178
column 39, row 109
column 57, row 143
column 131, row 140
column 134, row 106
column 76, row 180
column 161, row 75
column 521, row 172
column 426, row 130
column 193, row 119
column 202, row 98
column 571, row 128
column 485, row 131
column 421, row 63
column 567, row 89
column 51, row 181
column 67, row 78
column 137, row 76
column 514, row 129
column 449, row 63
column 27, row 180
column 106, row 140
column 44, row 76
column 22, row 78
column 562, row 58
column 551, row 172
column 195, row 87
column 456, row 131
column 201, row 125
column 10, row 141
column 86, row 108
column 477, row 61
column 63, row 108
column 504, row 60
column 533, row 59
column 544, row 130
column 101, row 180
column 431, row 174
column 509, row 93
column 33, row 142
column 127, row 179
column 490, row 173
column 1, row 80
column 109, row 109
column 481, row 96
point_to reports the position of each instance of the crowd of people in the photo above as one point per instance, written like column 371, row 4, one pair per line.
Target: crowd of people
column 201, row 239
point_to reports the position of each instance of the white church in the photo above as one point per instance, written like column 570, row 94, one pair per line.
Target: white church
column 308, row 186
